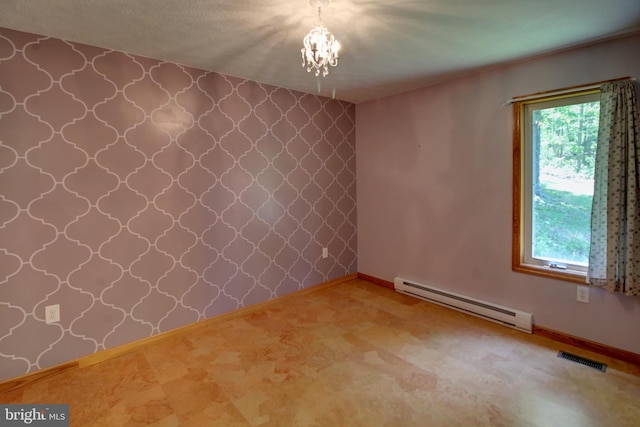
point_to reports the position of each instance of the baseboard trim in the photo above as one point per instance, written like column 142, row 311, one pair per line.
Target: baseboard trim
column 101, row 356
column 605, row 350
column 376, row 281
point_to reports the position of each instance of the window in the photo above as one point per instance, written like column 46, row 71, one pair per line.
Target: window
column 555, row 140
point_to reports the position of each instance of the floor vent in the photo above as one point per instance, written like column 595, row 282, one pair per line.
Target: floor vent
column 581, row 360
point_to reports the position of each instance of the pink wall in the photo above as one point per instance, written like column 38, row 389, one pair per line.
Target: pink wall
column 142, row 195
column 434, row 190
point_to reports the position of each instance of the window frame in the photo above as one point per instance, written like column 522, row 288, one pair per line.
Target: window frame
column 520, row 236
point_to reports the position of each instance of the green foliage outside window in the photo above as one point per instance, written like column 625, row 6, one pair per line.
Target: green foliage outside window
column 565, row 140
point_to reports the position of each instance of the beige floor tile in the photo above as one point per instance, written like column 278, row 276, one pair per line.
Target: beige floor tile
column 353, row 354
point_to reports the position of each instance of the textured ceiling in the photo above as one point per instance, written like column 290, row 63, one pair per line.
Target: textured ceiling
column 388, row 46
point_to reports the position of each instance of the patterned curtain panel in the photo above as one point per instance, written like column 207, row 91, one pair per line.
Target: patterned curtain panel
column 614, row 258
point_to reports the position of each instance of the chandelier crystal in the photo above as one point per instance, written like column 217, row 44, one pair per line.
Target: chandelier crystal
column 320, row 46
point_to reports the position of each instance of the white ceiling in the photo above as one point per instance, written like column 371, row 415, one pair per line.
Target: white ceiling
column 388, row 46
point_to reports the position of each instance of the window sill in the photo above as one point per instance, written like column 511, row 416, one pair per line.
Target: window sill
column 539, row 270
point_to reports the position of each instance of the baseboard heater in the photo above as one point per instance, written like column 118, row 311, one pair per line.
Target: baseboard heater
column 495, row 313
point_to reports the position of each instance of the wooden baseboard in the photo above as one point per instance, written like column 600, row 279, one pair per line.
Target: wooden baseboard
column 376, row 281
column 584, row 344
column 92, row 359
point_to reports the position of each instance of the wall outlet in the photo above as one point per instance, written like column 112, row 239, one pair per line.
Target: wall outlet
column 583, row 293
column 325, row 252
column 52, row 313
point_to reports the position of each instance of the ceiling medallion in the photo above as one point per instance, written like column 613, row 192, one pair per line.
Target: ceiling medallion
column 320, row 46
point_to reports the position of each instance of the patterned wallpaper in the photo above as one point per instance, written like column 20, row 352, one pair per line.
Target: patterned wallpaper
column 143, row 195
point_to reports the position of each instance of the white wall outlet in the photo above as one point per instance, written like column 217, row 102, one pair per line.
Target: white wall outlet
column 325, row 252
column 52, row 313
column 583, row 293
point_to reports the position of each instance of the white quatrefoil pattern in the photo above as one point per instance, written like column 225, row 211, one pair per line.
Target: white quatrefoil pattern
column 143, row 195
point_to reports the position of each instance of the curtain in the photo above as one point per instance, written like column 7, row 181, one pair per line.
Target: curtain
column 614, row 257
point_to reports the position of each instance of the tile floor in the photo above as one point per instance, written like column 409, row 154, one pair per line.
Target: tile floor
column 353, row 354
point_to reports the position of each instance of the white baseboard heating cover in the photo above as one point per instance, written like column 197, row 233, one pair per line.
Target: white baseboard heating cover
column 495, row 313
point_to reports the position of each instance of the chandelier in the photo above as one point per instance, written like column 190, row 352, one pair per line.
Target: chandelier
column 320, row 46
